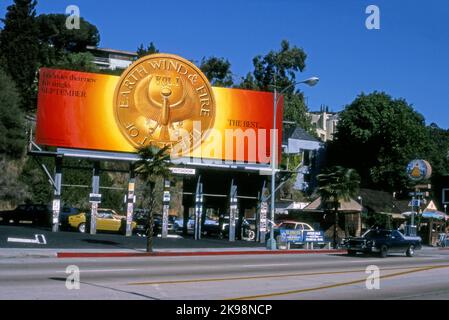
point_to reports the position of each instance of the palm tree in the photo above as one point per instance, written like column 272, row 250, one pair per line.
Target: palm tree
column 153, row 165
column 337, row 184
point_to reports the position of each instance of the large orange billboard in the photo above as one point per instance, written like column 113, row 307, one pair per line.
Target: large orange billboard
column 160, row 99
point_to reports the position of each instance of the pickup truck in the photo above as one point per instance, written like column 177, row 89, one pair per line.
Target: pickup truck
column 383, row 242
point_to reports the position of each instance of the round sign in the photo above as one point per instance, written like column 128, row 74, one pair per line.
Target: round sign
column 165, row 100
column 418, row 170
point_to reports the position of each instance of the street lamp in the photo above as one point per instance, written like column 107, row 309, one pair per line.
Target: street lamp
column 277, row 98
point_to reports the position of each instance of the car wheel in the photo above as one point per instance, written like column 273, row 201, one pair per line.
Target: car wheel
column 352, row 253
column 82, row 228
column 410, row 251
column 383, row 252
column 251, row 235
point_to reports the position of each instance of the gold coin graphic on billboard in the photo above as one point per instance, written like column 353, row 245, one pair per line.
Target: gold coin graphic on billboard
column 162, row 100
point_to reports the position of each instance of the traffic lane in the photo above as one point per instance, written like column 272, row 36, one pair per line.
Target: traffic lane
column 152, row 269
column 416, row 284
column 243, row 262
column 256, row 288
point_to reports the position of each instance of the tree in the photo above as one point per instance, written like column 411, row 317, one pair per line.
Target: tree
column 19, row 43
column 153, row 165
column 151, row 49
column 337, row 184
column 378, row 135
column 61, row 47
column 12, row 125
column 438, row 149
column 83, row 61
column 53, row 31
column 295, row 110
column 279, row 68
column 218, row 71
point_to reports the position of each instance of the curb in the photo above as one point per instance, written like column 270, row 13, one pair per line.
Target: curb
column 67, row 255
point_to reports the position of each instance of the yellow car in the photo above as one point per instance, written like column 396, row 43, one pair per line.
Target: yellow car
column 107, row 220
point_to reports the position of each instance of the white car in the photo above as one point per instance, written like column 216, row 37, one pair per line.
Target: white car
column 294, row 225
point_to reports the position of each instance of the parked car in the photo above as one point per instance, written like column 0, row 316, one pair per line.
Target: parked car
column 67, row 212
column 383, row 242
column 290, row 225
column 209, row 226
column 108, row 220
column 179, row 225
column 34, row 214
column 141, row 217
column 248, row 229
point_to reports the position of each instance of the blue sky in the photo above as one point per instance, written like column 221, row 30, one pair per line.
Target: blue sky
column 408, row 57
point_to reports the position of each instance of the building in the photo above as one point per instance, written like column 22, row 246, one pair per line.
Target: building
column 296, row 141
column 110, row 59
column 325, row 123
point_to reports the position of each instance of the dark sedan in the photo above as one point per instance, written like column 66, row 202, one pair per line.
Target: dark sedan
column 39, row 215
column 383, row 242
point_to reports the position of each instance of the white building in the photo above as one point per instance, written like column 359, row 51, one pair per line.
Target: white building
column 112, row 59
column 297, row 141
column 325, row 123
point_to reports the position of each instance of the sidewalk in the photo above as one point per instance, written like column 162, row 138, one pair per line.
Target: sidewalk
column 123, row 253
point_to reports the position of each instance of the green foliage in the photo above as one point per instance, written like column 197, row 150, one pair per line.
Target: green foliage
column 53, row 32
column 153, row 164
column 82, row 61
column 12, row 126
column 378, row 136
column 29, row 42
column 19, row 43
column 152, row 167
column 295, row 110
column 276, row 68
column 279, row 68
column 36, row 182
column 438, row 150
column 338, row 184
column 12, row 191
column 150, row 49
column 218, row 71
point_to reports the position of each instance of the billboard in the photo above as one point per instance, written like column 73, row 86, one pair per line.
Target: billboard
column 162, row 100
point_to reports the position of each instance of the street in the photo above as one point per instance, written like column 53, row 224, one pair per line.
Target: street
column 244, row 277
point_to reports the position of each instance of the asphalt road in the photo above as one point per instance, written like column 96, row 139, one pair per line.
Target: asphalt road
column 229, row 277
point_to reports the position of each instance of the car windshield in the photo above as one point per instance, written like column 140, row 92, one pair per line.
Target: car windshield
column 376, row 234
column 288, row 226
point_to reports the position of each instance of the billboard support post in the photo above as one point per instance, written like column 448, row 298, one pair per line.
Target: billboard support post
column 130, row 202
column 57, row 195
column 232, row 211
column 94, row 204
column 166, row 208
column 262, row 215
column 198, row 209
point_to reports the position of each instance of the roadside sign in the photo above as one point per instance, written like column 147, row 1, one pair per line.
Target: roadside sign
column 291, row 235
column 313, row 236
column 415, row 203
column 166, row 196
column 183, row 171
column 424, row 186
column 263, row 217
column 95, row 198
column 445, row 196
